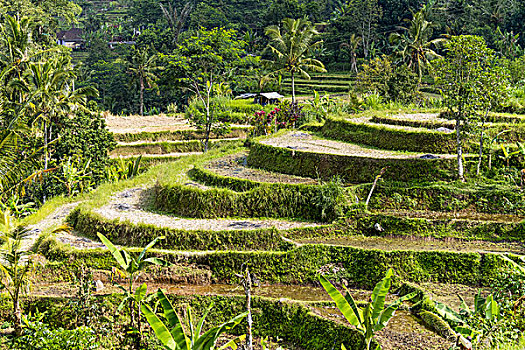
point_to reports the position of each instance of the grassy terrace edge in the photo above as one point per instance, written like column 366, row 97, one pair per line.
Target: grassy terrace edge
column 309, row 202
column 456, row 196
column 139, row 235
column 353, row 169
column 388, row 138
column 178, row 135
column 362, row 267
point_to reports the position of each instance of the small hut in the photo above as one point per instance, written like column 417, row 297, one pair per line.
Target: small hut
column 71, row 38
column 267, row 98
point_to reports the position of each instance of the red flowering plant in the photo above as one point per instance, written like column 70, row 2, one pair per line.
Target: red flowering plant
column 284, row 116
column 289, row 113
column 264, row 123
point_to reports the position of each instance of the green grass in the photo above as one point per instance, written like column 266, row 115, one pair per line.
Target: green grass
column 102, row 194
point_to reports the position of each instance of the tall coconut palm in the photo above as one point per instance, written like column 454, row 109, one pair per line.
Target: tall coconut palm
column 176, row 20
column 291, row 47
column 352, row 46
column 142, row 69
column 54, row 96
column 415, row 45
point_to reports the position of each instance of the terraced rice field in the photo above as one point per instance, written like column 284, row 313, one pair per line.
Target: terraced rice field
column 270, row 207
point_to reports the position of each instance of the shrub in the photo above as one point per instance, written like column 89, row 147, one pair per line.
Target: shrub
column 397, row 83
column 39, row 336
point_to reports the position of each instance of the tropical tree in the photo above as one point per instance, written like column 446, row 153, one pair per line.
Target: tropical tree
column 173, row 336
column 54, row 95
column 16, row 266
column 375, row 315
column 415, row 45
column 176, row 20
column 494, row 90
column 352, row 45
column 142, row 69
column 364, row 16
column 291, row 47
column 130, row 268
column 202, row 63
column 460, row 78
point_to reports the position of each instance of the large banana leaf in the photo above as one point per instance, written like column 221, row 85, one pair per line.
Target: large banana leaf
column 207, row 340
column 343, row 304
column 198, row 329
column 160, row 329
column 148, row 247
column 233, row 344
column 177, row 331
column 479, row 303
column 140, row 293
column 387, row 313
column 491, row 308
column 447, row 313
column 114, row 251
column 379, row 294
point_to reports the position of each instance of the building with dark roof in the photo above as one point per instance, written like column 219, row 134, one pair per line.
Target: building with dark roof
column 71, row 38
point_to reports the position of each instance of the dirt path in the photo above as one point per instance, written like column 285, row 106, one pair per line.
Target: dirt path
column 136, row 123
column 54, row 220
column 421, row 244
column 235, row 166
column 160, row 156
column 460, row 215
column 129, row 206
column 305, row 142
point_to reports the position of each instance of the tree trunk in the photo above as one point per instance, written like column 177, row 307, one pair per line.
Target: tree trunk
column 354, row 63
column 208, row 122
column 17, row 314
column 248, row 291
column 141, row 96
column 293, row 88
column 45, row 147
column 459, row 149
column 480, row 155
column 368, row 342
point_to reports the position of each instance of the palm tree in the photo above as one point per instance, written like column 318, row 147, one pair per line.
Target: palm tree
column 142, row 68
column 352, row 46
column 415, row 44
column 291, row 48
column 54, row 96
column 176, row 19
column 16, row 267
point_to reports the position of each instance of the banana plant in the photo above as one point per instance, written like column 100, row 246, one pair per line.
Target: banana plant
column 173, row 336
column 375, row 315
column 487, row 308
column 130, row 268
column 508, row 155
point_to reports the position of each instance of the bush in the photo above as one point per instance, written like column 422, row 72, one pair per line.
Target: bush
column 38, row 336
column 397, row 83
